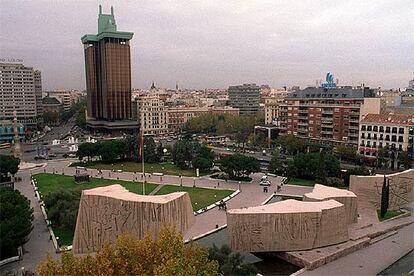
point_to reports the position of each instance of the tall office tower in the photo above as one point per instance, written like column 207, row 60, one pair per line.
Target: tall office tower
column 246, row 97
column 18, row 93
column 108, row 76
column 38, row 92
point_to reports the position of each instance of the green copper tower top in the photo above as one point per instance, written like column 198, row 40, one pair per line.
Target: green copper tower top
column 106, row 29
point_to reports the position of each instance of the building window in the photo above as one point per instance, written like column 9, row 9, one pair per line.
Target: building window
column 400, row 139
column 401, row 130
column 387, row 129
column 394, row 130
column 375, row 128
column 369, row 128
column 363, row 127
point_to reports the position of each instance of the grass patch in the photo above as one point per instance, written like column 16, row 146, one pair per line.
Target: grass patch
column 167, row 168
column 389, row 214
column 47, row 183
column 301, row 182
column 200, row 197
column 65, row 236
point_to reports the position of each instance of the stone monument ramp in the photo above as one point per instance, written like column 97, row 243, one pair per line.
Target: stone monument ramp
column 287, row 225
column 106, row 212
column 347, row 198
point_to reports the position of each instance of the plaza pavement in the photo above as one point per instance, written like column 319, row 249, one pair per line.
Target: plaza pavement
column 372, row 259
column 39, row 245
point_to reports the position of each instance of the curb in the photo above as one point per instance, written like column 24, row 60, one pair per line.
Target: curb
column 211, row 206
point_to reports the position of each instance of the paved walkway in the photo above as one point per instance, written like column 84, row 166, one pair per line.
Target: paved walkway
column 372, row 259
column 39, row 244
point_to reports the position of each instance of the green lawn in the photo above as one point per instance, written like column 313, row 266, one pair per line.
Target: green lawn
column 200, row 197
column 65, row 236
column 389, row 214
column 301, row 182
column 129, row 166
column 47, row 183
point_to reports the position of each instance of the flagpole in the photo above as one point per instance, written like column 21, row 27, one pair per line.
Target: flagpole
column 142, row 160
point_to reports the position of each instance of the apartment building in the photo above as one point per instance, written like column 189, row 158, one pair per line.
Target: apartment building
column 150, row 112
column 66, row 97
column 179, row 116
column 395, row 131
column 19, row 91
column 327, row 115
column 38, row 92
column 245, row 97
column 273, row 109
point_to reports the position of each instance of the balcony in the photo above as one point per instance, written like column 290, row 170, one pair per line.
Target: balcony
column 327, row 119
column 302, row 123
column 302, row 117
column 325, row 111
column 354, row 127
column 329, row 132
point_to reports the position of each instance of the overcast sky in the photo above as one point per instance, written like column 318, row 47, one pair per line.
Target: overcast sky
column 213, row 44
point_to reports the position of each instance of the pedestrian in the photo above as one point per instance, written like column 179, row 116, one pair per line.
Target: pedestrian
column 218, row 184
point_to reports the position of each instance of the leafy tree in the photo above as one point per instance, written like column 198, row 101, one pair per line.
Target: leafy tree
column 80, row 119
column 291, row 144
column 8, row 164
column 168, row 255
column 382, row 157
column 321, row 177
column 88, row 150
column 276, row 165
column 203, row 164
column 132, row 147
column 62, row 208
column 205, row 152
column 184, row 152
column 404, row 159
column 150, row 154
column 239, row 165
column 354, row 171
column 160, row 152
column 312, row 166
column 258, row 140
column 230, row 263
column 109, row 150
column 16, row 218
column 346, row 153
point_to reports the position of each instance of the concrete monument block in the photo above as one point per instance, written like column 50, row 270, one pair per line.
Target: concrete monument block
column 106, row 212
column 287, row 226
column 368, row 189
column 347, row 198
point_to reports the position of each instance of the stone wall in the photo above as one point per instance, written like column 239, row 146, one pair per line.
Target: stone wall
column 287, row 225
column 368, row 189
column 348, row 198
column 106, row 212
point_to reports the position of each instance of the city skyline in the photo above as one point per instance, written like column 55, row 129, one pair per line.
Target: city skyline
column 214, row 45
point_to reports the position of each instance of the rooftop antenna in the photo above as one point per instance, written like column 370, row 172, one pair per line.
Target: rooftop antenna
column 100, row 9
column 112, row 10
